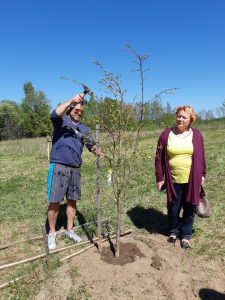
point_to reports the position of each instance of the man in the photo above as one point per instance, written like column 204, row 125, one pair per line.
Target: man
column 69, row 137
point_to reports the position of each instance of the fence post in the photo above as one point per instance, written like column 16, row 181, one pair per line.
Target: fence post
column 98, row 200
column 45, row 239
column 49, row 140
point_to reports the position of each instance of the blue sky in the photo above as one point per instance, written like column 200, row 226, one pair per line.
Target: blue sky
column 42, row 40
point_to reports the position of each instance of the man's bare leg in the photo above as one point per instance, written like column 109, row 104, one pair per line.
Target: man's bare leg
column 53, row 210
column 70, row 213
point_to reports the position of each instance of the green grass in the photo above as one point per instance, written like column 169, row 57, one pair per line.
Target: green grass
column 23, row 198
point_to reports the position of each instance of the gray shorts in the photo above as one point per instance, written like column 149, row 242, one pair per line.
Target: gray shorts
column 63, row 181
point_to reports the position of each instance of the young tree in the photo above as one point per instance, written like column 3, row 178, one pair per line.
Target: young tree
column 123, row 123
column 117, row 121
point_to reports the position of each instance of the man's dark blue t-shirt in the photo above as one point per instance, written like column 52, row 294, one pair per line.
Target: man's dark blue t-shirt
column 68, row 141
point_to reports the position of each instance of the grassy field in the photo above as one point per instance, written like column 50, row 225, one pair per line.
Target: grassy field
column 23, row 200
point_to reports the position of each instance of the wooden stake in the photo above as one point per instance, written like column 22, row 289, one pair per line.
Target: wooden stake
column 16, row 263
column 45, row 239
column 5, row 266
column 49, row 140
column 98, row 199
column 118, row 228
column 10, row 282
column 19, row 262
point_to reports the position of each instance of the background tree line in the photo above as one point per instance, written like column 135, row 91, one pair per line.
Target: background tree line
column 31, row 118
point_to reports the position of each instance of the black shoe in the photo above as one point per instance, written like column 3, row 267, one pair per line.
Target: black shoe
column 171, row 239
column 185, row 245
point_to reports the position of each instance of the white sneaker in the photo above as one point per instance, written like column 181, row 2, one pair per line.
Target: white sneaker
column 73, row 236
column 51, row 241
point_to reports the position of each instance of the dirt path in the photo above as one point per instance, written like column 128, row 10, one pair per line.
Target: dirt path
column 148, row 268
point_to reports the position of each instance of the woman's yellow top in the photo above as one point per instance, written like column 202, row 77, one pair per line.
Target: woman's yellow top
column 180, row 150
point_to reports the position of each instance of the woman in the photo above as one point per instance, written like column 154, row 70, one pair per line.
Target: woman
column 180, row 167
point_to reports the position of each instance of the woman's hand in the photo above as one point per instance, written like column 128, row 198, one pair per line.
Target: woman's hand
column 159, row 185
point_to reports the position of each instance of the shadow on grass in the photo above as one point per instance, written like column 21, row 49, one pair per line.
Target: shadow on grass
column 149, row 219
column 61, row 221
column 82, row 221
column 209, row 294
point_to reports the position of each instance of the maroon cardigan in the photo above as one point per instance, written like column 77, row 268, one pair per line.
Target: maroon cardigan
column 198, row 167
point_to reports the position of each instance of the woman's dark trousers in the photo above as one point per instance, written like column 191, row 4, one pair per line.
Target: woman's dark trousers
column 181, row 227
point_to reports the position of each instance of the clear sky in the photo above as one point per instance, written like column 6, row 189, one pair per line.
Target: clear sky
column 42, row 40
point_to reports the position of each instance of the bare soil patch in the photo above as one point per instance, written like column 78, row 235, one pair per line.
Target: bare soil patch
column 148, row 268
column 128, row 254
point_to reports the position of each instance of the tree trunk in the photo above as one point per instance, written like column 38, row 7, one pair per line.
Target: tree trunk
column 118, row 228
column 98, row 200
